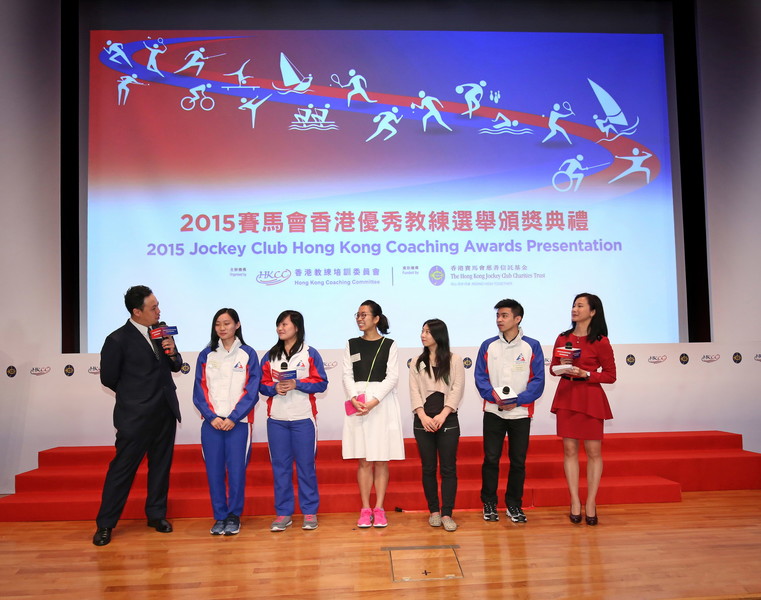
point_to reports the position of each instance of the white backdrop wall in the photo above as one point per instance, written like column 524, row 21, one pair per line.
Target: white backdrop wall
column 43, row 411
column 658, row 392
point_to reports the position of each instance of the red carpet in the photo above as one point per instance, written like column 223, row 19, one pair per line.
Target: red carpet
column 639, row 467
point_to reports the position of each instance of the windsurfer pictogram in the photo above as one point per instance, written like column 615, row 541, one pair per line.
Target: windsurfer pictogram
column 614, row 116
column 293, row 79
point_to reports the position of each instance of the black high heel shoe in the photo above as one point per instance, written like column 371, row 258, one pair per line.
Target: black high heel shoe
column 575, row 519
column 590, row 520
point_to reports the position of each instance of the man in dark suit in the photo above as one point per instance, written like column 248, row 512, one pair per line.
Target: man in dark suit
column 139, row 370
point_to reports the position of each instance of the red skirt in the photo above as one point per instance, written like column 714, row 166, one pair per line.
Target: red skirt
column 578, row 426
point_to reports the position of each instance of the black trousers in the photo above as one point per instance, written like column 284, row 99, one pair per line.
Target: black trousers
column 439, row 447
column 157, row 441
column 517, row 432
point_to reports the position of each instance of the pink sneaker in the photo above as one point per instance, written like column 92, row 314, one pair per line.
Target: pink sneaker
column 379, row 518
column 365, row 518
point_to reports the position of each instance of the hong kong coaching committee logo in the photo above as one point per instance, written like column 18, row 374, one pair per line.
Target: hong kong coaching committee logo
column 273, row 277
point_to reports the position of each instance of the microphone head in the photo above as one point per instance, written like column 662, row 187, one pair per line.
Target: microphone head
column 158, row 325
column 283, row 365
column 568, row 345
column 506, row 390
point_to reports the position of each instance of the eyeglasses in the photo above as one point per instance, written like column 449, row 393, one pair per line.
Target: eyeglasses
column 362, row 315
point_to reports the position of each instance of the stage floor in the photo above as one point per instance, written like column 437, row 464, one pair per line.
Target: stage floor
column 707, row 546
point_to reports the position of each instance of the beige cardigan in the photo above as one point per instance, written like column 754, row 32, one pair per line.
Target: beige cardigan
column 423, row 385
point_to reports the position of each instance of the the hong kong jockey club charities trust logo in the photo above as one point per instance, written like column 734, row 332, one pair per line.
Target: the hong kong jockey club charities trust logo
column 273, row 277
column 436, row 275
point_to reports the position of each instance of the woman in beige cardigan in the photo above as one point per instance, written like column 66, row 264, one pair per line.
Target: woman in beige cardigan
column 437, row 380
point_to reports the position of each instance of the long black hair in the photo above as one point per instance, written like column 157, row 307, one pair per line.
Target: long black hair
column 377, row 311
column 440, row 335
column 214, row 343
column 298, row 321
column 597, row 326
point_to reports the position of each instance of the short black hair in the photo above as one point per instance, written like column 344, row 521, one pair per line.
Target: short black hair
column 513, row 305
column 135, row 297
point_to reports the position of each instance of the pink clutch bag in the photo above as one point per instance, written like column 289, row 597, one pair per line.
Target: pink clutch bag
column 349, row 407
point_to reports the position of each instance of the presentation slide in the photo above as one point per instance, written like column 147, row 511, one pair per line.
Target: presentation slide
column 434, row 172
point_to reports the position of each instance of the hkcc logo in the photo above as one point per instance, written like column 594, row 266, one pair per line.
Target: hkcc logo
column 273, row 277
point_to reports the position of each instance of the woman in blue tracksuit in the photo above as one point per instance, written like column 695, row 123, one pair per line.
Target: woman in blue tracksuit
column 225, row 392
column 292, row 373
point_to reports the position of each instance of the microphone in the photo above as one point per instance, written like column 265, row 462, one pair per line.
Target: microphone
column 284, row 374
column 505, row 392
column 161, row 331
column 567, row 351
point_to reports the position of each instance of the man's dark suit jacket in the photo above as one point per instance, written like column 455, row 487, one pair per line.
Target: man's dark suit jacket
column 142, row 383
column 144, row 417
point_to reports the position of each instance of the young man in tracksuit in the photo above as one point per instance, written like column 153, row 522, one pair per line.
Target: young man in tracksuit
column 510, row 378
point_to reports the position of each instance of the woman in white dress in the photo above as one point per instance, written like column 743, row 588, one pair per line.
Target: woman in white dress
column 372, row 431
